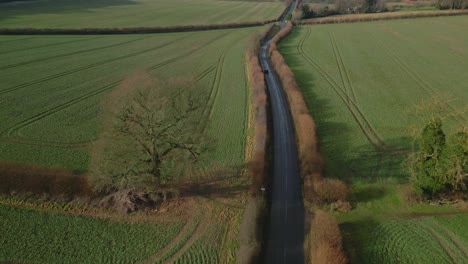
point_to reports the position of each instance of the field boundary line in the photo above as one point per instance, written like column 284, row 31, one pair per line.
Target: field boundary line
column 355, row 18
column 129, row 31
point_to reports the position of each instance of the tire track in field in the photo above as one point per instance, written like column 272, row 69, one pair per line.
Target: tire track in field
column 345, row 79
column 199, row 231
column 13, row 40
column 16, row 138
column 441, row 241
column 19, row 64
column 87, row 67
column 426, row 87
column 159, row 65
column 215, row 88
column 48, row 45
column 214, row 91
column 165, row 252
column 344, row 71
column 12, row 131
column 453, row 238
column 357, row 114
column 9, row 132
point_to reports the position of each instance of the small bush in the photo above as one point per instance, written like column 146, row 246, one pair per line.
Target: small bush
column 330, row 190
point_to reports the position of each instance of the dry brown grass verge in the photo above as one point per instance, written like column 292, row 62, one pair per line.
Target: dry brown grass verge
column 325, row 240
column 37, row 180
column 381, row 16
column 316, row 189
column 251, row 230
column 258, row 166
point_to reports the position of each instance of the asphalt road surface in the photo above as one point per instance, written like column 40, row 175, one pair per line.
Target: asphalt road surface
column 285, row 235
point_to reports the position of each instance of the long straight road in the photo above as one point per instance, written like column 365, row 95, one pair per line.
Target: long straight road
column 285, row 235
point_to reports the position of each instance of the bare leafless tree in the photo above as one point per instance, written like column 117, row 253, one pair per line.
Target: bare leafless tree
column 150, row 127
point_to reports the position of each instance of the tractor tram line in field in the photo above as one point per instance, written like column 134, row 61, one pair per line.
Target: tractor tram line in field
column 365, row 126
column 87, row 67
column 342, row 68
column 199, row 47
column 427, row 88
column 12, row 135
column 69, row 54
column 48, row 45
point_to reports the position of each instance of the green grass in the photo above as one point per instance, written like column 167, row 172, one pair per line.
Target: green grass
column 52, row 87
column 34, row 236
column 132, row 13
column 385, row 69
column 365, row 79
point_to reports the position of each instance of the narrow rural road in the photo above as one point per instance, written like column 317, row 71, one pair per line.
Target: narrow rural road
column 285, row 235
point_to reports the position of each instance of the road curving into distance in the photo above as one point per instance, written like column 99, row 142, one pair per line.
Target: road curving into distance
column 285, row 233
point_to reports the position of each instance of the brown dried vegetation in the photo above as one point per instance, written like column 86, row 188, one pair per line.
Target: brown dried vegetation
column 326, row 240
column 311, row 162
column 260, row 104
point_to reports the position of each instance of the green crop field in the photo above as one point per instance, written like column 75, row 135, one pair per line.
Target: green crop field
column 132, row 13
column 52, row 88
column 362, row 83
column 34, row 232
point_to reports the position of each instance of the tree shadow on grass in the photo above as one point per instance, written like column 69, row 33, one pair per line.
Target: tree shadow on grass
column 357, row 239
column 222, row 182
column 11, row 9
column 343, row 159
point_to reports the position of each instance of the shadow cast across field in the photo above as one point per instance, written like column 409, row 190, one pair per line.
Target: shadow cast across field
column 356, row 238
column 10, row 9
column 343, row 159
column 216, row 183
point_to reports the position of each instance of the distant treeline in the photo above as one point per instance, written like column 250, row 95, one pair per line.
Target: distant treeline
column 381, row 16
